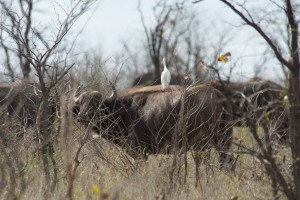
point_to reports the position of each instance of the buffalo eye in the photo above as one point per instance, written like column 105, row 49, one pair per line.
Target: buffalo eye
column 76, row 110
column 127, row 102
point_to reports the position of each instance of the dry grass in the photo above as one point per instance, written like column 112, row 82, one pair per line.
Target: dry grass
column 104, row 173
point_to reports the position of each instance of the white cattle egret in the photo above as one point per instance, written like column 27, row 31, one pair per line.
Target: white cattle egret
column 165, row 76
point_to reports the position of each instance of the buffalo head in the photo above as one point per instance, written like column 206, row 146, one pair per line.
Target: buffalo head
column 89, row 102
column 93, row 108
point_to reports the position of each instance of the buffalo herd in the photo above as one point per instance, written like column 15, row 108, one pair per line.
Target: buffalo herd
column 148, row 120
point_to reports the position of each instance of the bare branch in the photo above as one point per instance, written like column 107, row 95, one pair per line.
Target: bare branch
column 263, row 34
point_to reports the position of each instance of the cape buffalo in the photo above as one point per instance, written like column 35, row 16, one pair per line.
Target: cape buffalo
column 262, row 98
column 147, row 120
column 21, row 100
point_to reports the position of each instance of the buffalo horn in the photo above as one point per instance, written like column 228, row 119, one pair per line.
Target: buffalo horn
column 76, row 94
column 113, row 96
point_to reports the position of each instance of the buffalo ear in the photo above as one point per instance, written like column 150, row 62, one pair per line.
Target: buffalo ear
column 127, row 102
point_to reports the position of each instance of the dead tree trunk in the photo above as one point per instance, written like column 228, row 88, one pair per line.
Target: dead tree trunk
column 294, row 110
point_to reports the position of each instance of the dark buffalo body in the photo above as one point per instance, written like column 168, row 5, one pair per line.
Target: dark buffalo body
column 262, row 98
column 148, row 120
column 21, row 100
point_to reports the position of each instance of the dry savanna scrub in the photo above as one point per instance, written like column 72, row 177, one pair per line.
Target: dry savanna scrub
column 99, row 170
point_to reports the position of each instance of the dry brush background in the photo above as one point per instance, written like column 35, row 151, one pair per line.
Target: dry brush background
column 55, row 157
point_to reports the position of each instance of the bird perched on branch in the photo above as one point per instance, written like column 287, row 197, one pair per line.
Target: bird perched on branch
column 165, row 76
column 224, row 57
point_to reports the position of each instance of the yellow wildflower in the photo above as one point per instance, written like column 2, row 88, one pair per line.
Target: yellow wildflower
column 95, row 189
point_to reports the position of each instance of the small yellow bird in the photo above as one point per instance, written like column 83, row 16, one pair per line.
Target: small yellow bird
column 165, row 76
column 225, row 57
